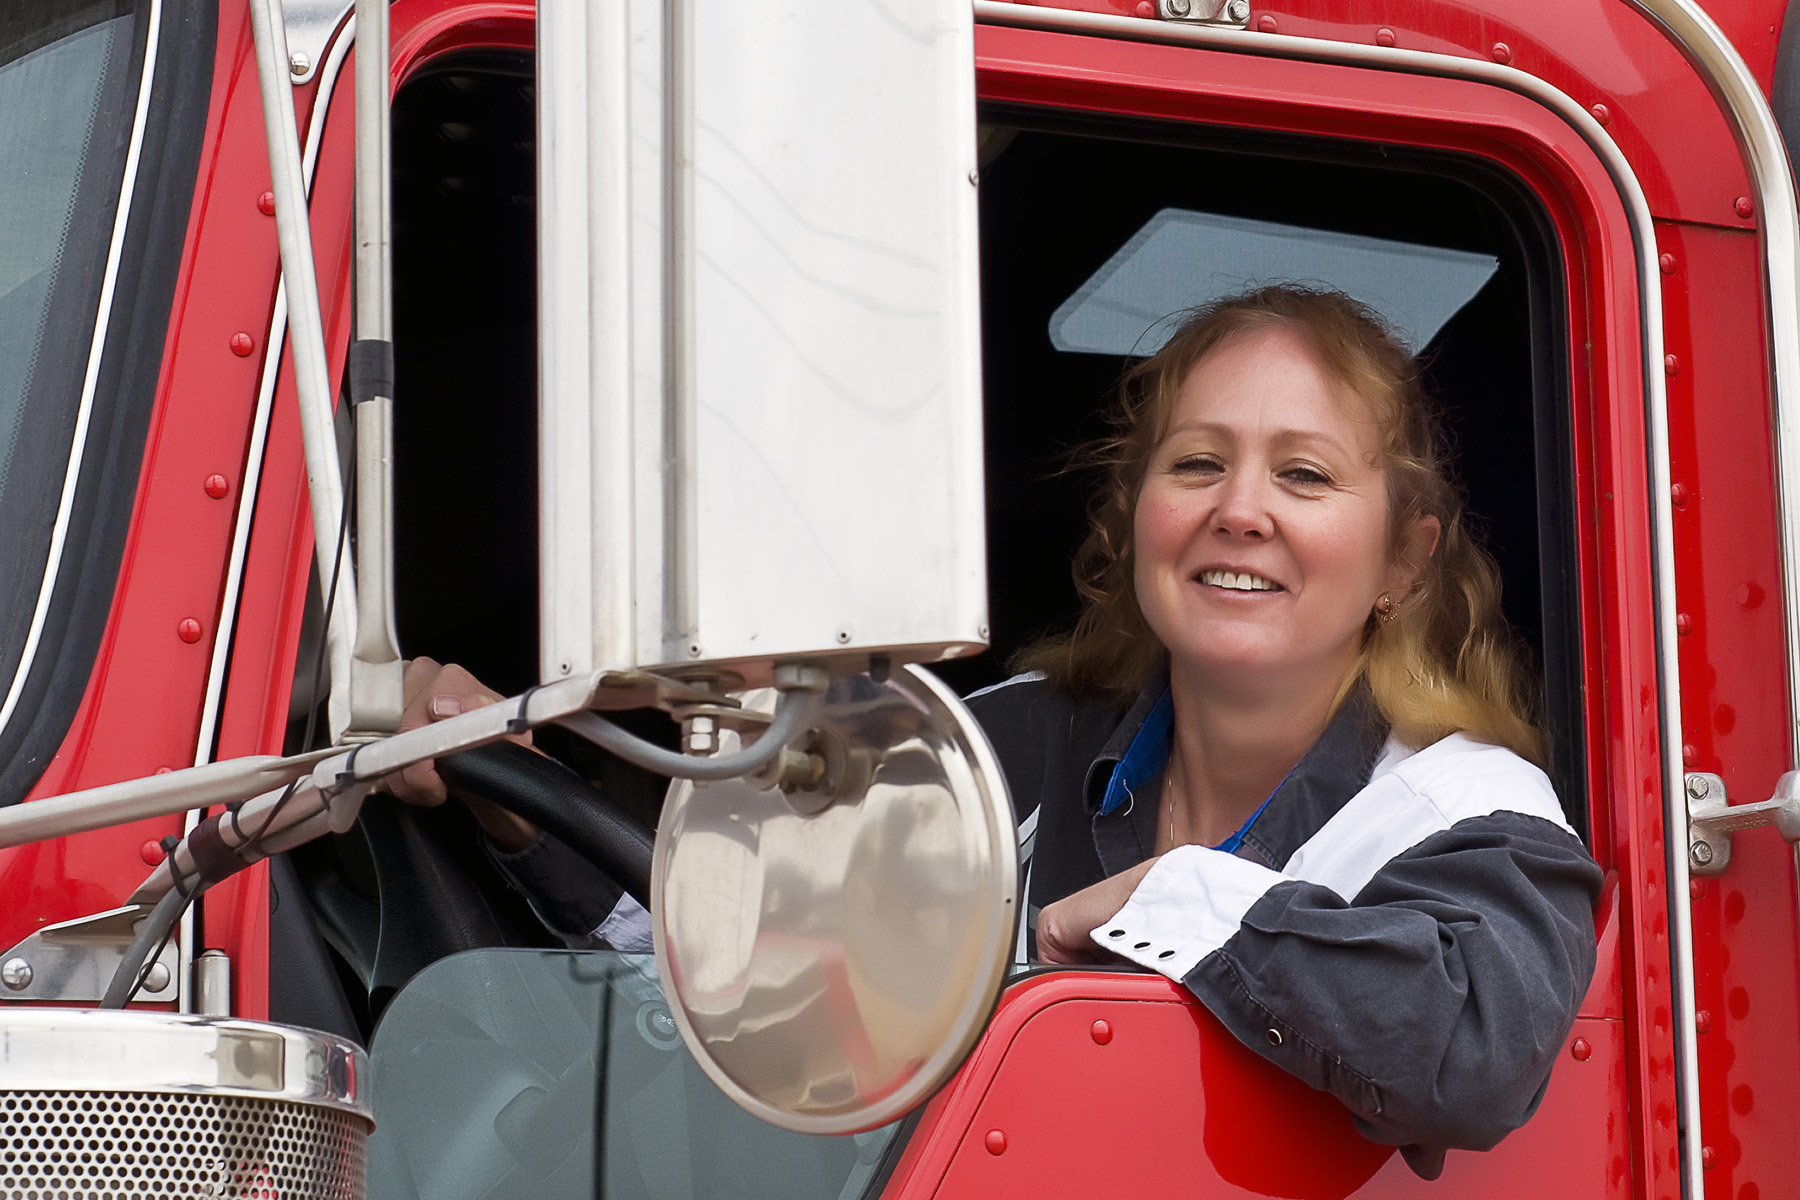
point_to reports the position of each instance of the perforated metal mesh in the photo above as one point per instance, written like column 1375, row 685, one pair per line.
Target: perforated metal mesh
column 133, row 1145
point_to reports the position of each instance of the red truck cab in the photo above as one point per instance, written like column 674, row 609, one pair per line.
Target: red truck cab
column 1621, row 385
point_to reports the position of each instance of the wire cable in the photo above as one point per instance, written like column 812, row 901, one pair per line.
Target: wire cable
column 791, row 714
column 155, row 931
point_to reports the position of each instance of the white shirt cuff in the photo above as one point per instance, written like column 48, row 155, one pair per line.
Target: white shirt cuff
column 627, row 927
column 1190, row 904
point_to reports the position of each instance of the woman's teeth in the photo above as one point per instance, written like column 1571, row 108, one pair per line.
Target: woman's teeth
column 1241, row 581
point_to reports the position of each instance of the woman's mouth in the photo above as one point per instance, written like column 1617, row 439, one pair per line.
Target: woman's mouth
column 1238, row 581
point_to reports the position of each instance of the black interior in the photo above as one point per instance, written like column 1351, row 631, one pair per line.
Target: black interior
column 1059, row 194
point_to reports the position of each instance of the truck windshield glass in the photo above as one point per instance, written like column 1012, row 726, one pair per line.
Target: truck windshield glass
column 555, row 1075
column 67, row 100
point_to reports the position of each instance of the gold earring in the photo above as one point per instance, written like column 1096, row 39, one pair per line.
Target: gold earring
column 1385, row 607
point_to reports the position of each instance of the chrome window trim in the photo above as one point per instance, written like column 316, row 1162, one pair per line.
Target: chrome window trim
column 59, row 532
column 1678, row 19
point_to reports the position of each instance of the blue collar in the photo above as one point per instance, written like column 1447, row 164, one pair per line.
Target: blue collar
column 1148, row 756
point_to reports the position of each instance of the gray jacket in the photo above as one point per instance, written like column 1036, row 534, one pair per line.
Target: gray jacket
column 1411, row 932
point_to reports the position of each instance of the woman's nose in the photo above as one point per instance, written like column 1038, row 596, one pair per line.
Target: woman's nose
column 1243, row 508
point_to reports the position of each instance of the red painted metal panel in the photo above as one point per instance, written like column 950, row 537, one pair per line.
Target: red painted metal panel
column 1105, row 1085
column 1599, row 52
column 141, row 710
column 1734, row 696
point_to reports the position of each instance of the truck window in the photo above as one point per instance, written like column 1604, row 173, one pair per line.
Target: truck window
column 540, row 1075
column 1093, row 231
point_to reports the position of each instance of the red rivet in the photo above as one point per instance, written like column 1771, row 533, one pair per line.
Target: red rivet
column 1749, row 595
column 188, row 630
column 1146, row 9
column 1678, row 495
column 1384, row 37
column 1602, row 114
column 1684, row 624
column 1502, row 52
column 151, row 853
column 1671, row 365
column 165, row 770
column 1706, row 1158
column 1102, row 1032
column 995, row 1141
column 1266, row 23
column 1743, row 207
column 1580, row 1049
column 1697, row 889
column 1667, row 263
column 1703, row 1021
column 265, row 204
column 242, row 344
column 1689, row 754
column 216, row 486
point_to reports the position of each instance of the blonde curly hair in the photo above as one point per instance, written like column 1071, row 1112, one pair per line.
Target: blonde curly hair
column 1447, row 662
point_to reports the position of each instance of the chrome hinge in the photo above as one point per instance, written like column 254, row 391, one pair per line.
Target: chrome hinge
column 75, row 960
column 1712, row 819
column 1235, row 13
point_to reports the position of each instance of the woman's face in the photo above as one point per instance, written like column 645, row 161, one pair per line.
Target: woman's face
column 1260, row 535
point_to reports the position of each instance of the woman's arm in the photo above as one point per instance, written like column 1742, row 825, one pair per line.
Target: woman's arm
column 1433, row 1003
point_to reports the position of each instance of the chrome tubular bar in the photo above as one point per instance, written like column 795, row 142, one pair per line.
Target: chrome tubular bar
column 306, row 335
column 375, row 670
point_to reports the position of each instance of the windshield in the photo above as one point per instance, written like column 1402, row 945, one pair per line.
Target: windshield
column 552, row 1074
column 67, row 102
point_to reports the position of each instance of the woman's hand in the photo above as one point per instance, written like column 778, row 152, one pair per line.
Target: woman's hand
column 1063, row 927
column 435, row 692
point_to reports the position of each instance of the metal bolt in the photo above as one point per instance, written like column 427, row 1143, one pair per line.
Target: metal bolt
column 1180, row 8
column 1701, row 853
column 156, row 978
column 1696, row 787
column 843, row 637
column 1238, row 10
column 16, row 974
column 699, row 735
column 298, row 63
column 974, row 178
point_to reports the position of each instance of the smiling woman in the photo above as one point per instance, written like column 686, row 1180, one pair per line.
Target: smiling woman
column 1285, row 757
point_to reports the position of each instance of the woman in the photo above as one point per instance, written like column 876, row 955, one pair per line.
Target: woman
column 1285, row 758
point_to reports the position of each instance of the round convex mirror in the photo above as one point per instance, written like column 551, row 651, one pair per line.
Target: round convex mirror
column 831, row 953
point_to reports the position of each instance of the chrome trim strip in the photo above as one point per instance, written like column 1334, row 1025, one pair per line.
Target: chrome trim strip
column 1683, row 18
column 226, row 626
column 59, row 532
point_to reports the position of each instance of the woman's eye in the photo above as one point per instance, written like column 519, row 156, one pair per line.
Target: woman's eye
column 1197, row 465
column 1305, row 476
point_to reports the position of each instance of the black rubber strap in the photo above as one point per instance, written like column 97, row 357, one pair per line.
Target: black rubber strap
column 213, row 859
column 371, row 369
column 520, row 724
column 346, row 778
